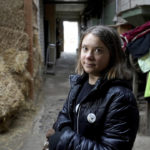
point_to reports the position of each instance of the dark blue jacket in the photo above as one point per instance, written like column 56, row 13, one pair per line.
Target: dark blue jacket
column 106, row 119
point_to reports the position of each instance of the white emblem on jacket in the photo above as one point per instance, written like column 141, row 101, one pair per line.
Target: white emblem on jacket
column 91, row 118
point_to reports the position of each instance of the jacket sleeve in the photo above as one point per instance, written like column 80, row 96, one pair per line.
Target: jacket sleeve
column 63, row 118
column 122, row 122
column 120, row 128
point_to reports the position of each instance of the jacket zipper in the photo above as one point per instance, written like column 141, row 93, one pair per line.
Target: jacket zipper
column 78, row 114
column 69, row 104
column 78, row 119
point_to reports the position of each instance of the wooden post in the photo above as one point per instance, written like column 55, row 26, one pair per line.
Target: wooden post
column 135, row 84
column 29, row 30
column 148, row 112
column 50, row 16
column 148, row 117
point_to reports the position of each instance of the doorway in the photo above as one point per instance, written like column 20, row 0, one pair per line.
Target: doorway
column 71, row 36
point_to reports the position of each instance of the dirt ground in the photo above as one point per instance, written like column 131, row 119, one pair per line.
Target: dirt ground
column 28, row 131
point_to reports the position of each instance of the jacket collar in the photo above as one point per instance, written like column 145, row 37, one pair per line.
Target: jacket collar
column 77, row 79
column 101, row 82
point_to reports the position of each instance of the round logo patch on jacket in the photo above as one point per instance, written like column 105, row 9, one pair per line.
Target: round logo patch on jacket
column 91, row 118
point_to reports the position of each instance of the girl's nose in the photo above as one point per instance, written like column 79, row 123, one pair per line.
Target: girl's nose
column 89, row 55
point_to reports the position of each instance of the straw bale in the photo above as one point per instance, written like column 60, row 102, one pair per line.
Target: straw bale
column 15, row 60
column 37, row 57
column 36, row 62
column 12, row 14
column 34, row 16
column 11, row 97
column 35, row 38
column 3, row 68
column 38, row 80
column 23, row 80
column 11, row 4
column 13, row 20
column 13, row 39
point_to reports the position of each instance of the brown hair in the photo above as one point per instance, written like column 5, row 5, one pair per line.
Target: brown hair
column 117, row 67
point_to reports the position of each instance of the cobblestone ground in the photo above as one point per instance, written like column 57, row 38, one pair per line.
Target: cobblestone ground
column 28, row 131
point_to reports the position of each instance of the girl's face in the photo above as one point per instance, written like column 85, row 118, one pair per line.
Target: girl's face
column 94, row 56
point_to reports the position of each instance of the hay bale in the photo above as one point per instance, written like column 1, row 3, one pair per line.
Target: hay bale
column 10, row 38
column 12, row 14
column 13, row 20
column 34, row 15
column 37, row 63
column 15, row 60
column 37, row 57
column 11, row 4
column 23, row 80
column 11, row 97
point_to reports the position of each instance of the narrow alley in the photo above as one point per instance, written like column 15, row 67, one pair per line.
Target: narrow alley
column 30, row 133
column 54, row 92
column 40, row 34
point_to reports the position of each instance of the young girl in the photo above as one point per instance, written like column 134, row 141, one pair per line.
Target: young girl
column 100, row 112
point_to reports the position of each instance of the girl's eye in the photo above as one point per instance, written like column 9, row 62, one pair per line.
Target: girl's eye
column 98, row 51
column 84, row 48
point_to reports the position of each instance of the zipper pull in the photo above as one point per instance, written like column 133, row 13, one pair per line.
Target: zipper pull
column 77, row 107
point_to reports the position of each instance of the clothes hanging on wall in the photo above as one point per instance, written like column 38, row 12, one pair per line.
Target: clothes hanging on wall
column 135, row 33
column 144, row 62
column 139, row 47
column 136, row 42
column 147, row 89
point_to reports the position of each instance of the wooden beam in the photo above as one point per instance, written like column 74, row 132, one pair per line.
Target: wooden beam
column 64, row 2
column 29, row 30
